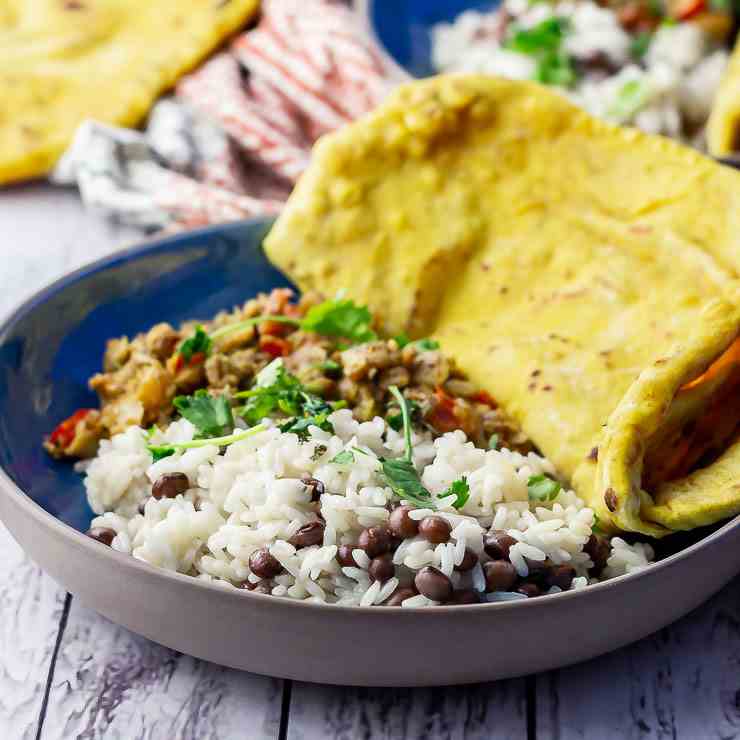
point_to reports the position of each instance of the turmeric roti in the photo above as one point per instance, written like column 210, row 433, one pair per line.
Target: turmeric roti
column 557, row 257
column 62, row 61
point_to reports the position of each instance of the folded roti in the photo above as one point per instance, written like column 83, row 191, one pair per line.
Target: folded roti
column 62, row 61
column 582, row 273
column 723, row 127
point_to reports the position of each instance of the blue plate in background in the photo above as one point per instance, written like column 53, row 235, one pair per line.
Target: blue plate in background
column 402, row 27
column 55, row 342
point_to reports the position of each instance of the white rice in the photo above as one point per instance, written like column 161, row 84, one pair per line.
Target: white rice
column 252, row 497
column 676, row 79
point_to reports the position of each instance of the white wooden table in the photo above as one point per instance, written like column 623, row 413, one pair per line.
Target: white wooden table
column 66, row 672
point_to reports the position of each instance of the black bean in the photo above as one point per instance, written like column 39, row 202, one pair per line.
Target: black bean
column 375, row 541
column 468, row 562
column 464, row 596
column 500, row 575
column 381, row 568
column 401, row 524
column 597, row 549
column 529, row 589
column 344, row 556
column 435, row 529
column 170, row 485
column 433, row 584
column 497, row 544
column 400, row 595
column 315, row 486
column 104, row 535
column 561, row 576
column 309, row 534
column 263, row 564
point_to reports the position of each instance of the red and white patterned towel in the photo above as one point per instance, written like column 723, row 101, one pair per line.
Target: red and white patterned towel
column 237, row 133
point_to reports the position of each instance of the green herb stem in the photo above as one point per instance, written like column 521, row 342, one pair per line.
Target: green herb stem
column 406, row 418
column 218, row 441
column 239, row 325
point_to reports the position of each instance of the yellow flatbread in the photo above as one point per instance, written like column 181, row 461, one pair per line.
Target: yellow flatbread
column 723, row 127
column 62, row 61
column 555, row 256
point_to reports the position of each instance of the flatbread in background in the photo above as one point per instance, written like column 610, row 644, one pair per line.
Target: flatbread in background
column 723, row 127
column 62, row 61
column 555, row 256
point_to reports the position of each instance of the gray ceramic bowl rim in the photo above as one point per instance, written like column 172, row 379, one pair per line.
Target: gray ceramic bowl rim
column 94, row 549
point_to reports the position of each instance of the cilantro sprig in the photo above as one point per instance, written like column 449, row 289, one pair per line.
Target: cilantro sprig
column 200, row 342
column 337, row 317
column 279, row 392
column 165, row 450
column 210, row 415
column 543, row 488
column 544, row 43
column 401, row 475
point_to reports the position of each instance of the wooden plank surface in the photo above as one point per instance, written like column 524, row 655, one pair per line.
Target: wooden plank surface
column 31, row 606
column 496, row 711
column 682, row 683
column 110, row 683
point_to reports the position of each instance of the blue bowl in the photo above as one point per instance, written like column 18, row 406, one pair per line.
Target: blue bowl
column 55, row 342
column 403, row 27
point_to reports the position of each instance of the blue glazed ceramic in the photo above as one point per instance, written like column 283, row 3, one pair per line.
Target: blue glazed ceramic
column 403, row 27
column 55, row 342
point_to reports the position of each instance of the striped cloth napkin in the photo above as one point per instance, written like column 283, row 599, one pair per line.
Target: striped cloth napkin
column 236, row 134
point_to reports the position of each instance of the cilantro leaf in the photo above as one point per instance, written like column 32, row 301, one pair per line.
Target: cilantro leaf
column 400, row 474
column 402, row 478
column 210, row 415
column 402, row 339
column 159, row 452
column 630, row 98
column 199, row 342
column 640, row 44
column 345, row 457
column 544, row 42
column 426, row 344
column 542, row 488
column 544, row 36
column 395, row 420
column 493, row 442
column 340, row 318
column 461, row 489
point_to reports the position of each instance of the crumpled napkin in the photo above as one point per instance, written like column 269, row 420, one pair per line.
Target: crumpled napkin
column 236, row 134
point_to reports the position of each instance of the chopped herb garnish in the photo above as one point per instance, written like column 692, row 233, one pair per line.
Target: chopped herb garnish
column 395, row 421
column 331, row 368
column 165, row 450
column 340, row 318
column 461, row 489
column 543, row 488
column 345, row 457
column 631, row 97
column 493, row 442
column 160, row 451
column 210, row 415
column 544, row 42
column 426, row 344
column 278, row 392
column 337, row 317
column 640, row 44
column 402, row 339
column 200, row 342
